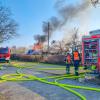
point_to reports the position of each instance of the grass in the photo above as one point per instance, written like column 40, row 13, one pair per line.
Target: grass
column 46, row 66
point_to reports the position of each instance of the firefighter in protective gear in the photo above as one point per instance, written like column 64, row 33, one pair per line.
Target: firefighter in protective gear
column 68, row 63
column 76, row 61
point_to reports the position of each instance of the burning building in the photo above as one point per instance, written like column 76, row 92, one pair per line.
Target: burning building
column 38, row 46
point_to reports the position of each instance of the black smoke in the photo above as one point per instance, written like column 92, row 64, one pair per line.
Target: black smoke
column 66, row 13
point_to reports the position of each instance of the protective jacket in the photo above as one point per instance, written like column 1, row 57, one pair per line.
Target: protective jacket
column 68, row 59
column 76, row 56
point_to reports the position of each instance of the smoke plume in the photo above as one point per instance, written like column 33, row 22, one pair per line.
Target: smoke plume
column 40, row 38
column 66, row 13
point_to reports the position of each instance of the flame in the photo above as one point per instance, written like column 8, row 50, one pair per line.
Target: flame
column 38, row 46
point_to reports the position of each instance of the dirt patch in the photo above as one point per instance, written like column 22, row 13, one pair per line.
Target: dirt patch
column 3, row 97
column 14, row 91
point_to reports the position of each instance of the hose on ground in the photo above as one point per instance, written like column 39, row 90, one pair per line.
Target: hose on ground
column 19, row 76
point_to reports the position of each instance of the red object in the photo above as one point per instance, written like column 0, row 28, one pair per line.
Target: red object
column 99, row 64
column 91, row 51
column 82, row 53
column 68, row 58
column 95, row 36
column 38, row 46
column 5, row 54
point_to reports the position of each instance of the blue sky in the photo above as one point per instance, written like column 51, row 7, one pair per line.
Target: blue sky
column 30, row 14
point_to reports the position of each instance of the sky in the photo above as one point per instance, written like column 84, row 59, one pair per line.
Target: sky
column 30, row 15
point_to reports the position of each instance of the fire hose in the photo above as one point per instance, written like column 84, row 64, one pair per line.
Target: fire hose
column 19, row 76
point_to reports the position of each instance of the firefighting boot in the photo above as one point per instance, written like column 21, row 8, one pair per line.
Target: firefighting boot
column 67, row 70
column 76, row 72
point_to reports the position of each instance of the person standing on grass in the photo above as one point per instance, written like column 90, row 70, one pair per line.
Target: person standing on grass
column 68, row 63
column 76, row 61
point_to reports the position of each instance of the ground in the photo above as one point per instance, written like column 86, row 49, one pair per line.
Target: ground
column 13, row 88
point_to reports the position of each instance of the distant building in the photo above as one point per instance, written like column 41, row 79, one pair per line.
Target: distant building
column 18, row 50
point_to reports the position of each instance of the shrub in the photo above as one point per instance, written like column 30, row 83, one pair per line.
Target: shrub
column 23, row 57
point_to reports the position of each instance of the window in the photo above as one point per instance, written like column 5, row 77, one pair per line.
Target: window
column 3, row 50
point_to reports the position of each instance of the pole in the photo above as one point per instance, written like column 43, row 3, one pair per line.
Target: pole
column 48, row 35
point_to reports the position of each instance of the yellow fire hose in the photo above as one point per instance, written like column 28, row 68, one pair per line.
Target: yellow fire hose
column 25, row 77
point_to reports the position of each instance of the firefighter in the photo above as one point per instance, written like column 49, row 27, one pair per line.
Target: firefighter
column 68, row 63
column 76, row 61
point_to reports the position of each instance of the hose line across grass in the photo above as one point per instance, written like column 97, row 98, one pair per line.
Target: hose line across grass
column 19, row 76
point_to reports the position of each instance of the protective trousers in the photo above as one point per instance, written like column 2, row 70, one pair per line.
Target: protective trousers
column 76, row 67
column 67, row 68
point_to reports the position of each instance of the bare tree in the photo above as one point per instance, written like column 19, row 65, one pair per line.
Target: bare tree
column 74, row 37
column 95, row 2
column 74, row 41
column 71, row 43
column 8, row 26
column 58, row 46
